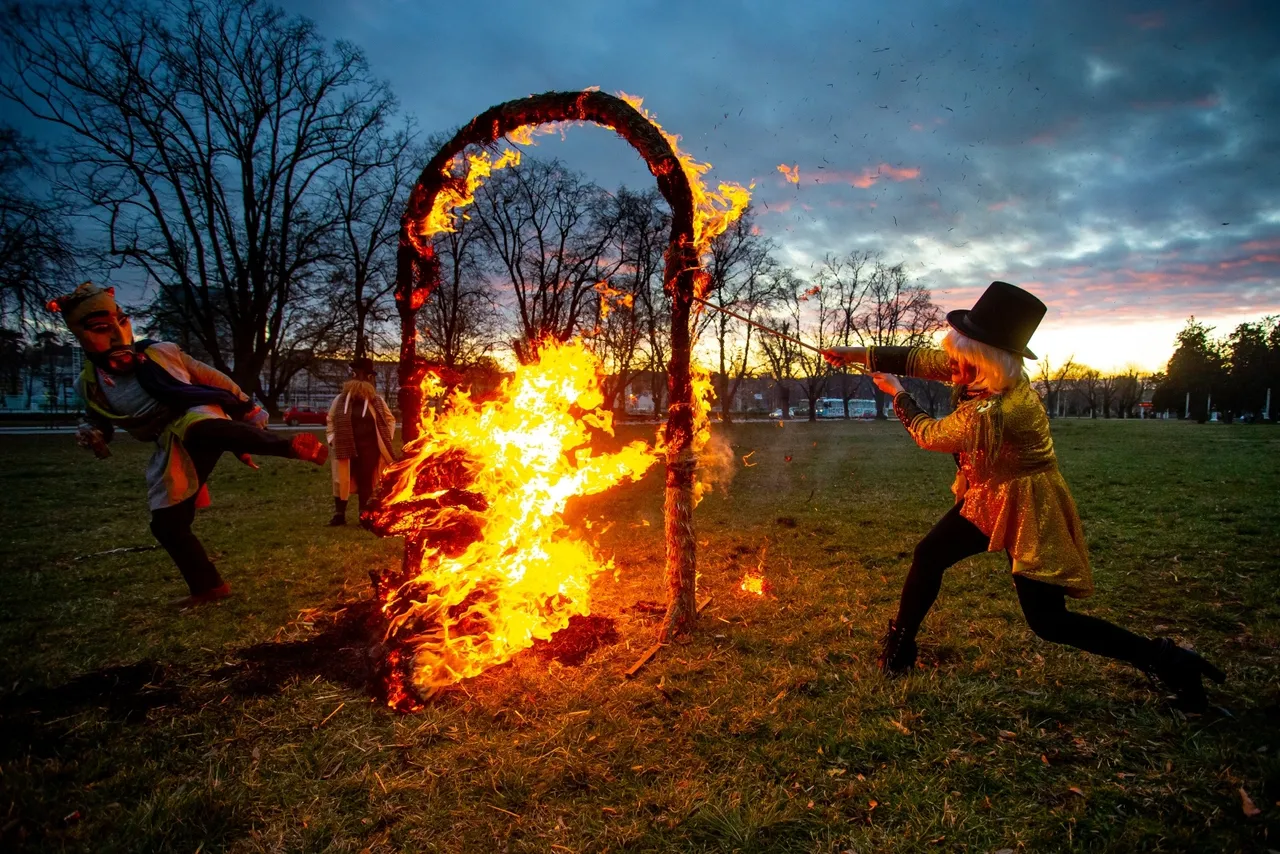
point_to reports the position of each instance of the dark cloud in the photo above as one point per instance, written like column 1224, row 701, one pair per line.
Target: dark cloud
column 1124, row 146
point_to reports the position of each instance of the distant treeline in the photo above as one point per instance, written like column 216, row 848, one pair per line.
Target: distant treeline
column 1232, row 375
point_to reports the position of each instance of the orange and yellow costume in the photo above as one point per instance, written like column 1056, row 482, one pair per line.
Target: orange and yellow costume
column 1008, row 473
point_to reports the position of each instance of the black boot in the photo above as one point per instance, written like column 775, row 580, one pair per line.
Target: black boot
column 339, row 512
column 897, row 651
column 1180, row 670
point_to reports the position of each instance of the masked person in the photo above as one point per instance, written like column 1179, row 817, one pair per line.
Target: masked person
column 1009, row 493
column 360, row 426
column 192, row 412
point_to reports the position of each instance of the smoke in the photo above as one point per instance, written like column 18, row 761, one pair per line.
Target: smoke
column 716, row 466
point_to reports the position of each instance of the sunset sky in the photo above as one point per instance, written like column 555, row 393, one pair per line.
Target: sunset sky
column 1120, row 160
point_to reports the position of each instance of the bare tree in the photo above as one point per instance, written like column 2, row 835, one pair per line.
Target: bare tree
column 935, row 396
column 1052, row 381
column 783, row 357
column 895, row 312
column 548, row 230
column 206, row 139
column 1129, row 391
column 652, row 307
column 37, row 257
column 375, row 177
column 739, row 266
column 819, row 322
column 1108, row 387
column 458, row 321
column 844, row 279
column 625, row 321
column 1088, row 381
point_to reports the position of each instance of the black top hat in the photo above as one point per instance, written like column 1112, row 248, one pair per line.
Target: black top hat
column 1005, row 316
column 363, row 365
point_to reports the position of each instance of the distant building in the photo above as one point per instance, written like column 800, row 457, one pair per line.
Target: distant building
column 41, row 377
column 316, row 387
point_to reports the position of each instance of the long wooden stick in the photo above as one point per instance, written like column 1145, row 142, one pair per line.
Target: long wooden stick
column 768, row 329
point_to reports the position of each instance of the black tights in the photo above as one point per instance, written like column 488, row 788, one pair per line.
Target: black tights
column 954, row 538
column 206, row 441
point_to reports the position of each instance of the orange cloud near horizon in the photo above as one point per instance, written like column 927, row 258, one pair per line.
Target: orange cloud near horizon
column 868, row 177
column 862, row 180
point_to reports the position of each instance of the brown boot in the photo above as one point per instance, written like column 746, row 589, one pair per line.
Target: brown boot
column 195, row 600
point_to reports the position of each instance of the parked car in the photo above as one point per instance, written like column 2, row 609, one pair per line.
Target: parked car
column 296, row 415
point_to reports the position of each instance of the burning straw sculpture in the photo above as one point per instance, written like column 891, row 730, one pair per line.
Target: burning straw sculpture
column 439, row 190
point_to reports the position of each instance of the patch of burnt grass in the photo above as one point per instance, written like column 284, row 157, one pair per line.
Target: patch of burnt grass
column 584, row 635
column 243, row 727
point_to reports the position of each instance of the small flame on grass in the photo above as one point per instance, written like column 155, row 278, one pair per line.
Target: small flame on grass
column 754, row 581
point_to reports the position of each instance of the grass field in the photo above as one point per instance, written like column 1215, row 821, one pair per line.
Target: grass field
column 247, row 726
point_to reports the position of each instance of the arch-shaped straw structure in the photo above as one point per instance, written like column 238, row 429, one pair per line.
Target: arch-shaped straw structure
column 418, row 274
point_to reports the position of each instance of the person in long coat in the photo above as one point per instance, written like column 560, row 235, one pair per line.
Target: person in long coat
column 1009, row 493
column 360, row 428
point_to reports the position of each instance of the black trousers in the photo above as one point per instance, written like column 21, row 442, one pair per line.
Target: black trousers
column 954, row 538
column 205, row 442
column 364, row 466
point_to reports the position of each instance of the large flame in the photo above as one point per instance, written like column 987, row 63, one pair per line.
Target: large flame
column 486, row 484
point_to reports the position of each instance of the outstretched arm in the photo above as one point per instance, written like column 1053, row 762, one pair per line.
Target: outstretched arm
column 950, row 434
column 94, row 431
column 921, row 362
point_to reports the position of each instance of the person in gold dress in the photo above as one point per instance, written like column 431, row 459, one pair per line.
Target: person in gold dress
column 1009, row 494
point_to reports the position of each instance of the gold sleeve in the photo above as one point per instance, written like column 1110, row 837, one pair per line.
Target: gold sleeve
column 921, row 362
column 954, row 433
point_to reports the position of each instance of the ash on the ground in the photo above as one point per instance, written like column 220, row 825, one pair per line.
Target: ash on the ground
column 584, row 635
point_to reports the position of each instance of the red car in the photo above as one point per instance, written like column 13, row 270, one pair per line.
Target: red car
column 296, row 415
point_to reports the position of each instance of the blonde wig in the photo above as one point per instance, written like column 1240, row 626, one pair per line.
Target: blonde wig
column 997, row 370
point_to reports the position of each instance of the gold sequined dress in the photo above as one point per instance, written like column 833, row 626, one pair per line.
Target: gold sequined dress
column 1008, row 473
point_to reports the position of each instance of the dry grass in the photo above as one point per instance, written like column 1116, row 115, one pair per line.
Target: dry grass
column 243, row 728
